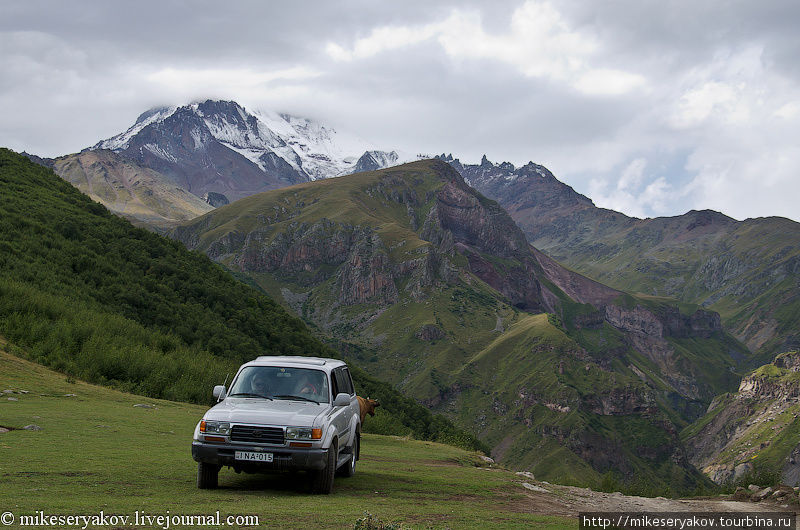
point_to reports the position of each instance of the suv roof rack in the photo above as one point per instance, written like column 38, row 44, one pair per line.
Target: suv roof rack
column 316, row 361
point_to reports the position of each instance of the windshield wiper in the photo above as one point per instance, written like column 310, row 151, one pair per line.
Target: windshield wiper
column 286, row 396
column 249, row 394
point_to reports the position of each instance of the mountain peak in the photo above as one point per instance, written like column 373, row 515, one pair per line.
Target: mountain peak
column 372, row 160
column 219, row 146
column 531, row 194
column 146, row 115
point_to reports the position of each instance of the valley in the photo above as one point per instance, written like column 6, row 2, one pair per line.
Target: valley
column 428, row 285
column 556, row 245
column 459, row 489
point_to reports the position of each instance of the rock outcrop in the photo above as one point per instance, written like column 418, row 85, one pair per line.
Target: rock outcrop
column 215, row 199
column 753, row 429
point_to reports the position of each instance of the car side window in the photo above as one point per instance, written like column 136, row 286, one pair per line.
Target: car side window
column 341, row 380
column 334, row 384
column 349, row 380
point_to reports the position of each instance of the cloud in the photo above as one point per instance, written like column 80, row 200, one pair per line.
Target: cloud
column 247, row 83
column 697, row 104
column 788, row 111
column 656, row 108
column 632, row 175
column 635, row 193
column 381, row 40
column 745, row 160
column 538, row 42
column 608, row 82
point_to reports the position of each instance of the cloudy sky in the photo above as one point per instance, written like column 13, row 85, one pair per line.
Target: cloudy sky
column 648, row 107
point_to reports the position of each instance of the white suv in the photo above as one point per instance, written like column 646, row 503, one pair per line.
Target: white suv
column 280, row 414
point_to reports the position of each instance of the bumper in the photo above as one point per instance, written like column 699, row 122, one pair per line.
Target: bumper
column 284, row 458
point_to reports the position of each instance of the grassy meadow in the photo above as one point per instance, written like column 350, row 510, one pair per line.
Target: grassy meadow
column 97, row 451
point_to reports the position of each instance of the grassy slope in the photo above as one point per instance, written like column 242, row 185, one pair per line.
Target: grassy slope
column 743, row 270
column 134, row 192
column 88, row 294
column 96, row 451
column 352, row 200
column 539, row 382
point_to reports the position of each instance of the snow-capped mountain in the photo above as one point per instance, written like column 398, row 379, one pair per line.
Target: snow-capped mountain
column 372, row 160
column 218, row 146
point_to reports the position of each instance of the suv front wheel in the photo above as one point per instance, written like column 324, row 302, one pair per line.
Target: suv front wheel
column 322, row 480
column 207, row 475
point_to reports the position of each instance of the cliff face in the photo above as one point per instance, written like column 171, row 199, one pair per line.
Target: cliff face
column 666, row 322
column 482, row 232
column 649, row 331
column 756, row 428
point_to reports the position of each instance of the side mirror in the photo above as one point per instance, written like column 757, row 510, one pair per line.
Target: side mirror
column 342, row 400
column 220, row 392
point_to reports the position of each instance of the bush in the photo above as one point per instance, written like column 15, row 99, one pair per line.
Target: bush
column 371, row 522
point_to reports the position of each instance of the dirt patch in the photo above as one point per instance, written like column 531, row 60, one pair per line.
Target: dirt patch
column 541, row 503
column 568, row 501
column 465, row 498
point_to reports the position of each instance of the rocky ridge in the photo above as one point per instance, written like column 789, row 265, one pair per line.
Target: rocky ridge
column 754, row 429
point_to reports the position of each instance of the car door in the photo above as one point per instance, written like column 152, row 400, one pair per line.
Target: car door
column 355, row 410
column 341, row 416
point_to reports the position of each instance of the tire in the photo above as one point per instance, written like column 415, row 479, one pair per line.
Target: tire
column 322, row 481
column 207, row 476
column 349, row 469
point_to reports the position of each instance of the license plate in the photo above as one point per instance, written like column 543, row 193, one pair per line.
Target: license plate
column 253, row 457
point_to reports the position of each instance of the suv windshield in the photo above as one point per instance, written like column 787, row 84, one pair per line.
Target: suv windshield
column 281, row 383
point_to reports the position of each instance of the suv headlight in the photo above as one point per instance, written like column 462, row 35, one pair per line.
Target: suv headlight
column 215, row 427
column 303, row 433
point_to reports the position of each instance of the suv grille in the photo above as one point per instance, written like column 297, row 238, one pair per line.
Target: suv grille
column 252, row 433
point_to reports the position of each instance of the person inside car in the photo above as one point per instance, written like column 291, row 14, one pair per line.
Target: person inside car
column 307, row 388
column 258, row 384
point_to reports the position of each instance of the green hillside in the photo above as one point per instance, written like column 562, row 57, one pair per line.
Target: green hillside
column 438, row 292
column 745, row 270
column 97, row 451
column 86, row 293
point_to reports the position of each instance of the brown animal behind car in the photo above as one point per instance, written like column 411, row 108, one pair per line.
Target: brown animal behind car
column 367, row 406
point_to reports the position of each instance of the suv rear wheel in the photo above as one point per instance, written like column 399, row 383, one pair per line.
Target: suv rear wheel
column 322, row 480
